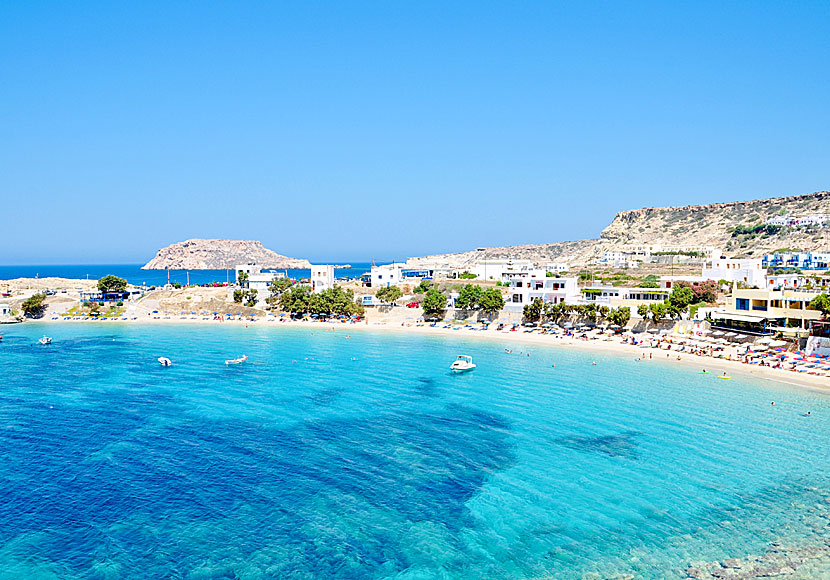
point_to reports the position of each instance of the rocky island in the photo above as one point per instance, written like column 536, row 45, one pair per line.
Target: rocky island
column 199, row 254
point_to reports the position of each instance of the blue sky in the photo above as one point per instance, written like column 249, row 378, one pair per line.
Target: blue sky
column 352, row 131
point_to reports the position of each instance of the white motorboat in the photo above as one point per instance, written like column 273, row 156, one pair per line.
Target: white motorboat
column 236, row 361
column 462, row 363
column 45, row 340
column 164, row 361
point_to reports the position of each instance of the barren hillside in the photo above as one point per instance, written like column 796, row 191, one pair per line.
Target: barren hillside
column 697, row 225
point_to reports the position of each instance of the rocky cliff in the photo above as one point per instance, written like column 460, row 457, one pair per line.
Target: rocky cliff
column 715, row 225
column 735, row 227
column 218, row 255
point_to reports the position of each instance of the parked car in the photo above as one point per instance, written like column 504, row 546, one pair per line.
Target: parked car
column 413, row 305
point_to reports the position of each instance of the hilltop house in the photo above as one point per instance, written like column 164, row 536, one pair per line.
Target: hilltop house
column 800, row 260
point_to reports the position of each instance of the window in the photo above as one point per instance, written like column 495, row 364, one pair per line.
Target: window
column 742, row 303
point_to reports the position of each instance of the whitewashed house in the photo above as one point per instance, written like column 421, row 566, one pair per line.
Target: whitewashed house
column 322, row 277
column 526, row 289
column 397, row 273
column 497, row 269
column 748, row 271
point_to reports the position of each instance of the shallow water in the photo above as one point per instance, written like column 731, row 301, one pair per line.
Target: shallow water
column 305, row 463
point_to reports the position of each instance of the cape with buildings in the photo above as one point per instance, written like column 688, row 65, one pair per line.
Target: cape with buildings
column 199, row 254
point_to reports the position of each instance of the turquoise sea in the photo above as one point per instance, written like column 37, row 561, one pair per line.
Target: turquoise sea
column 364, row 458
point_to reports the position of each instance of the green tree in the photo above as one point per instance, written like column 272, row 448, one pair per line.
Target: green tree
column 434, row 301
column 389, row 294
column 589, row 311
column 250, row 298
column 620, row 316
column 821, row 303
column 112, row 283
column 422, row 287
column 681, row 297
column 241, row 278
column 238, row 295
column 553, row 311
column 466, row 275
column 658, row 311
column 643, row 311
column 33, row 306
column 296, row 299
column 533, row 312
column 275, row 290
column 491, row 301
column 469, row 297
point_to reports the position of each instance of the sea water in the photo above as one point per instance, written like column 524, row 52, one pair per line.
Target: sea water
column 133, row 273
column 356, row 454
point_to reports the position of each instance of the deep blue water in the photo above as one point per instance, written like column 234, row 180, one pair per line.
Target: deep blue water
column 135, row 275
column 305, row 463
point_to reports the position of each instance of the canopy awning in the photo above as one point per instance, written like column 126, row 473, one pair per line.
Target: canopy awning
column 739, row 317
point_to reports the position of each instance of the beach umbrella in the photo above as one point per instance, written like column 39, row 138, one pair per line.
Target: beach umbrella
column 761, row 347
column 777, row 342
column 764, row 340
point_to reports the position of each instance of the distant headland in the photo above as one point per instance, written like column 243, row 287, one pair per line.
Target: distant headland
column 197, row 254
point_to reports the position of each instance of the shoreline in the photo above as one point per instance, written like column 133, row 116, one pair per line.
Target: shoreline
column 615, row 346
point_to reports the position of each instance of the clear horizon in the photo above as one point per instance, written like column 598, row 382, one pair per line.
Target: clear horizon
column 387, row 131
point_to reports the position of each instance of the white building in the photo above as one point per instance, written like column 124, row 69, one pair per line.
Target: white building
column 815, row 219
column 616, row 296
column 396, row 273
column 524, row 290
column 246, row 269
column 322, row 277
column 496, row 269
column 749, row 271
column 5, row 310
column 557, row 267
column 785, row 281
column 259, row 281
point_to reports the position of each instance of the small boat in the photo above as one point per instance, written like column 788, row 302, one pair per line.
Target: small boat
column 45, row 340
column 462, row 363
column 236, row 361
column 164, row 361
